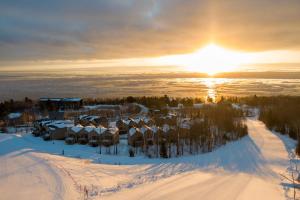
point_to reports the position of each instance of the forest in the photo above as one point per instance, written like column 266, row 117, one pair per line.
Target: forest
column 202, row 129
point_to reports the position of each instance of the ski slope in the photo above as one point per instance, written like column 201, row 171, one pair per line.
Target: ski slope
column 246, row 169
column 253, row 175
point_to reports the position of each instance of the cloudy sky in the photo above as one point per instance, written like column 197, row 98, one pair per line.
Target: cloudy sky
column 65, row 30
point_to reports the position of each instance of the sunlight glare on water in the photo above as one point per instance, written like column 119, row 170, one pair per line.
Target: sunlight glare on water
column 211, row 84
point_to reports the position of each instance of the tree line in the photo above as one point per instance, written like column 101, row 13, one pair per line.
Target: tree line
column 211, row 126
column 155, row 102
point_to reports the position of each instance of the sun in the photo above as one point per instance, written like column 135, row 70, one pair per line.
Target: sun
column 210, row 59
column 213, row 59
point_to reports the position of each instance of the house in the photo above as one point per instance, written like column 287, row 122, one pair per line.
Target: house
column 55, row 104
column 148, row 121
column 131, row 123
column 170, row 134
column 122, row 126
column 147, row 134
column 92, row 119
column 170, row 119
column 86, row 120
column 40, row 127
column 135, row 137
column 101, row 121
column 94, row 135
column 57, row 130
column 184, row 127
column 72, row 134
column 83, row 134
column 109, row 137
column 14, row 119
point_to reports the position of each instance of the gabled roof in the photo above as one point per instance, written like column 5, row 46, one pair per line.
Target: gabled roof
column 113, row 130
column 133, row 130
column 144, row 129
column 100, row 129
column 77, row 128
column 89, row 128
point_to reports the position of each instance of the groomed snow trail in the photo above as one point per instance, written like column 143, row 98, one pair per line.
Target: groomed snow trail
column 268, row 157
column 23, row 175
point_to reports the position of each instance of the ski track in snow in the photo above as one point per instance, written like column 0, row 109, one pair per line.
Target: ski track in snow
column 245, row 169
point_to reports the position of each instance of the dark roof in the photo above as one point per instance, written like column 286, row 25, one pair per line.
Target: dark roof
column 61, row 99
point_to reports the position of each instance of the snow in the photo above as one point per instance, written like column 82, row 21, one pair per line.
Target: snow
column 244, row 169
column 132, row 131
column 102, row 106
column 14, row 115
column 89, row 128
column 113, row 130
column 61, row 99
column 144, row 129
column 166, row 128
column 144, row 109
column 154, row 129
column 100, row 129
column 77, row 128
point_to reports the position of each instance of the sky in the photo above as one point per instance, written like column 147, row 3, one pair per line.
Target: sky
column 145, row 32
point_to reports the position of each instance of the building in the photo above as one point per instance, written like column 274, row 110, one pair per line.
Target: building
column 55, row 104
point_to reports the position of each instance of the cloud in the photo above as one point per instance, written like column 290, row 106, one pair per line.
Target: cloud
column 101, row 29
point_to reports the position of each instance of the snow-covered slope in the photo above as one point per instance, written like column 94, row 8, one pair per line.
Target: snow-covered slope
column 248, row 169
column 245, row 169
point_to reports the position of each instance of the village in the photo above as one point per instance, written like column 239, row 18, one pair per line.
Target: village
column 134, row 129
column 107, row 148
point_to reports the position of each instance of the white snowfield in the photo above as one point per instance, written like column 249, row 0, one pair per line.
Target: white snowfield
column 246, row 169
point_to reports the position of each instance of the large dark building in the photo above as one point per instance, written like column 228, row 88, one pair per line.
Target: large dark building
column 55, row 104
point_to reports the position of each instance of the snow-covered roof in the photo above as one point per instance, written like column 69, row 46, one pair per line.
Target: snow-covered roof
column 154, row 129
column 112, row 124
column 89, row 128
column 113, row 130
column 50, row 99
column 45, row 122
column 185, row 123
column 14, row 115
column 88, row 117
column 82, row 116
column 61, row 125
column 144, row 129
column 133, row 130
column 102, row 106
column 72, row 99
column 77, row 128
column 61, row 99
column 58, row 123
column 166, row 128
column 146, row 119
column 100, row 129
column 126, row 122
column 137, row 120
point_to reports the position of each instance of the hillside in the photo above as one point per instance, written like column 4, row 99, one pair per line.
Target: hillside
column 245, row 169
